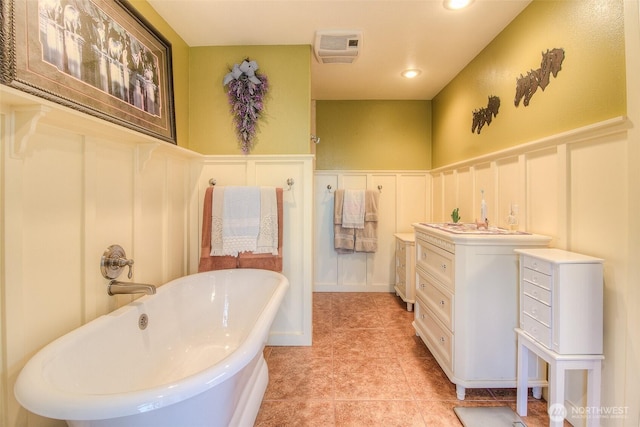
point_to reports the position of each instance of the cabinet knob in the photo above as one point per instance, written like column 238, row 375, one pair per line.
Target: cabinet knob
column 442, row 340
column 422, row 285
column 444, row 267
column 442, row 302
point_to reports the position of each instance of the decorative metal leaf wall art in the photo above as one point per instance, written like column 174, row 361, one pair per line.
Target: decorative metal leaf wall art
column 527, row 85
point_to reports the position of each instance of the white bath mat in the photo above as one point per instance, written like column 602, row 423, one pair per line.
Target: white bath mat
column 488, row 416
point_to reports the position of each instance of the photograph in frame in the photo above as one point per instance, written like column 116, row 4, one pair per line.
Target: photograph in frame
column 100, row 57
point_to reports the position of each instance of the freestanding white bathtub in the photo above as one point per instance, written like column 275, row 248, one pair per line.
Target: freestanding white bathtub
column 198, row 362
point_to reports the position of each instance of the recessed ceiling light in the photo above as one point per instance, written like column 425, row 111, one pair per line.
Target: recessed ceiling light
column 410, row 73
column 457, row 4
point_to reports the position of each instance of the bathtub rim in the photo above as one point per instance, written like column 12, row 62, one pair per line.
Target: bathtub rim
column 38, row 395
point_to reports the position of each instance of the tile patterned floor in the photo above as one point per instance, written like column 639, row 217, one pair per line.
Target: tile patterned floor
column 367, row 367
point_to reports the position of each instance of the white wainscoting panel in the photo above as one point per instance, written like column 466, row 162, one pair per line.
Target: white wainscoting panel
column 411, row 206
column 509, row 190
column 542, row 193
column 292, row 325
column 575, row 188
column 403, row 201
column 71, row 186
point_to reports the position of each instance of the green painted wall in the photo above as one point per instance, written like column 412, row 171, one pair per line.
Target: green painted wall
column 589, row 88
column 373, row 135
column 285, row 126
column 180, row 53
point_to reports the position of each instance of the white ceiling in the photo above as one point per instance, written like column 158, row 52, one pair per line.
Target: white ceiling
column 397, row 35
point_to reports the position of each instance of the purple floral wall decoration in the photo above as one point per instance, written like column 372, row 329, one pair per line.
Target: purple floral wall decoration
column 246, row 91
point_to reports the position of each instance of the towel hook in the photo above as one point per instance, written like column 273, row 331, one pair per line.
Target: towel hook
column 290, row 183
column 380, row 188
column 329, row 188
column 212, row 182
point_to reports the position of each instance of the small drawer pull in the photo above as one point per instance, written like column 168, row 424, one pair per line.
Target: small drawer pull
column 442, row 302
column 422, row 285
column 442, row 340
column 422, row 316
column 444, row 267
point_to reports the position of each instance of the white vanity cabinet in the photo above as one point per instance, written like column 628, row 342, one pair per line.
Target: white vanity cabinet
column 467, row 303
column 405, row 285
column 561, row 300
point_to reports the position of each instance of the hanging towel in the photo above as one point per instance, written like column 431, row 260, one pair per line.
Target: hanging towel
column 267, row 242
column 338, row 198
column 371, row 199
column 267, row 261
column 240, row 219
column 366, row 239
column 216, row 222
column 245, row 259
column 208, row 262
column 343, row 238
column 353, row 209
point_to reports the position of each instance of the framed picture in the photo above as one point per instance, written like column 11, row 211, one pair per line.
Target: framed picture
column 96, row 56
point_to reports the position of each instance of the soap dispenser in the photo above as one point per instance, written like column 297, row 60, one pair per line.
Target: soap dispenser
column 483, row 209
column 512, row 219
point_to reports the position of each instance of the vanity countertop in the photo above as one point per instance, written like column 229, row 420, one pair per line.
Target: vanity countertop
column 470, row 233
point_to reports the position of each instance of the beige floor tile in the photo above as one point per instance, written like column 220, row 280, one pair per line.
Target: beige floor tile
column 407, row 344
column 438, row 413
column 375, row 379
column 367, row 367
column 365, row 343
column 285, row 413
column 400, row 413
column 299, row 377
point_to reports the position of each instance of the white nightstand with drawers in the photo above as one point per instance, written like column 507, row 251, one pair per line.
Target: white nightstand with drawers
column 561, row 322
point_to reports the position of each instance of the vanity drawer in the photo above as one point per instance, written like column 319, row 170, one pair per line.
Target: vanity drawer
column 537, row 278
column 539, row 311
column 538, row 265
column 537, row 292
column 437, row 298
column 536, row 330
column 439, row 340
column 437, row 262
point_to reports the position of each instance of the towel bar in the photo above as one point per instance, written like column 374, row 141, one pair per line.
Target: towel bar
column 329, row 188
column 290, row 183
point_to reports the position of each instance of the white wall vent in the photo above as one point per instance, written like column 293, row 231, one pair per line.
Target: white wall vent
column 337, row 47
